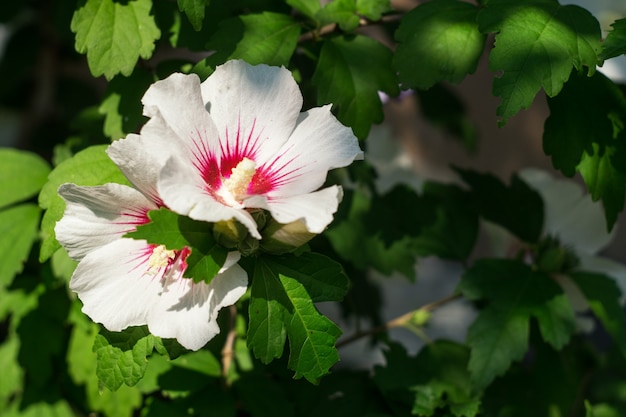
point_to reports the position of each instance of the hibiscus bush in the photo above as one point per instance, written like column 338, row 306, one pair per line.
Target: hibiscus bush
column 194, row 221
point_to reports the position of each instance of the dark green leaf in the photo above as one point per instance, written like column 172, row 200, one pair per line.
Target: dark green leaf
column 265, row 38
column 537, row 44
column 517, row 207
column 91, row 166
column 194, row 9
column 283, row 289
column 176, row 232
column 349, row 73
column 22, row 174
column 603, row 296
column 615, row 42
column 438, row 40
column 115, row 34
column 583, row 133
column 307, row 7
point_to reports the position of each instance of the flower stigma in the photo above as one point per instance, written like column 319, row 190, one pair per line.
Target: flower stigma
column 160, row 258
column 240, row 177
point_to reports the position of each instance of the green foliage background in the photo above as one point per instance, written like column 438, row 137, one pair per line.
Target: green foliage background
column 78, row 71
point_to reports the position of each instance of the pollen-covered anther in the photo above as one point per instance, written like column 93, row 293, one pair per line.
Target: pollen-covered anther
column 239, row 180
column 160, row 258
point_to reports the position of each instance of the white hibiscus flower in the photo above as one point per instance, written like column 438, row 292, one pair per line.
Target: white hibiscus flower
column 238, row 142
column 124, row 282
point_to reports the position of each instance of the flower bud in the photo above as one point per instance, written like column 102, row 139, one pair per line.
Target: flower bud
column 229, row 233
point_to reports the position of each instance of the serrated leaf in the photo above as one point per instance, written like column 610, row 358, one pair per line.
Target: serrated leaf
column 583, row 133
column 306, row 7
column 281, row 304
column 615, row 42
column 194, row 9
column 342, row 12
column 438, row 41
column 22, row 174
column 122, row 356
column 264, row 38
column 373, row 9
column 349, row 73
column 537, row 44
column 18, row 230
column 517, row 207
column 499, row 336
column 176, row 232
column 114, row 34
column 91, row 166
column 603, row 296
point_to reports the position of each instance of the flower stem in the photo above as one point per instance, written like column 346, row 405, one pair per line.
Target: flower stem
column 227, row 351
column 398, row 321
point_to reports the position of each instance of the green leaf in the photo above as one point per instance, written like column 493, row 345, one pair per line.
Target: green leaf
column 349, row 73
column 373, row 9
column 91, row 166
column 615, row 42
column 453, row 232
column 284, row 289
column 517, row 207
column 194, row 9
column 18, row 230
column 537, row 44
column 122, row 104
column 353, row 240
column 306, row 7
column 122, row 356
column 603, row 296
column 438, row 40
column 114, row 34
column 584, row 133
column 342, row 12
column 264, row 38
column 499, row 336
column 22, row 174
column 177, row 232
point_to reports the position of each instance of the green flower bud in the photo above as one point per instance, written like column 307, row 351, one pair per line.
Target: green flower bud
column 229, row 233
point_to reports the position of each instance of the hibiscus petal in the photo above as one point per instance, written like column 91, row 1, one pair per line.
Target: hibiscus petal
column 183, row 192
column 96, row 216
column 255, row 108
column 188, row 312
column 114, row 284
column 315, row 209
column 318, row 144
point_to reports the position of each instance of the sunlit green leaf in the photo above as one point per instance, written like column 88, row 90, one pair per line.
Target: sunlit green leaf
column 91, row 166
column 283, row 291
column 373, row 9
column 115, row 34
column 18, row 230
column 22, row 174
column 194, row 9
column 538, row 42
column 342, row 12
column 438, row 40
column 615, row 42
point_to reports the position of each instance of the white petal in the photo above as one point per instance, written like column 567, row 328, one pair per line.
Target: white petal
column 315, row 209
column 318, row 144
column 95, row 216
column 188, row 312
column 615, row 270
column 140, row 158
column 569, row 214
column 176, row 104
column 183, row 192
column 252, row 105
column 114, row 286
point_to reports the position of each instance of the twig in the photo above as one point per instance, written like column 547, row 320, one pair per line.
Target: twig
column 324, row 30
column 227, row 351
column 398, row 321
